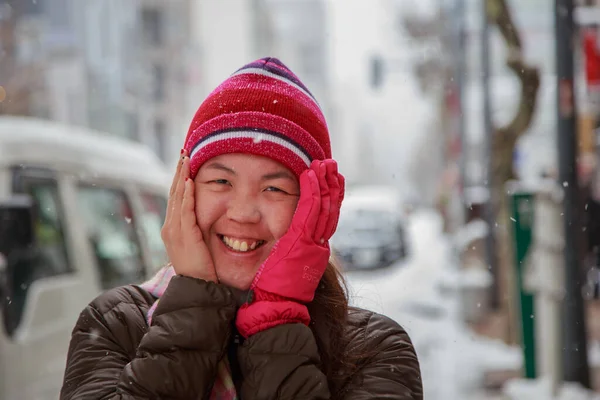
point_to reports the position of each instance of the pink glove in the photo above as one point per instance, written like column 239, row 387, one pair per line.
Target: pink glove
column 290, row 275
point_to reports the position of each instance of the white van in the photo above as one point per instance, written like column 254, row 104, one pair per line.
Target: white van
column 98, row 204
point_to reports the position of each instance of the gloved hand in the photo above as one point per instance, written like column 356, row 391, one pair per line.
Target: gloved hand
column 288, row 278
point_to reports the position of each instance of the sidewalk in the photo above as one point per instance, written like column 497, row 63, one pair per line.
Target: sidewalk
column 420, row 295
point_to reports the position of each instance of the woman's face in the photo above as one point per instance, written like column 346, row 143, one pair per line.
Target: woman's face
column 244, row 204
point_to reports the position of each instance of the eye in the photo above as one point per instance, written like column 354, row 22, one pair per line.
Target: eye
column 220, row 181
column 274, row 189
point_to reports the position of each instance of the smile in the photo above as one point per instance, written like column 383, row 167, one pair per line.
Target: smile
column 242, row 246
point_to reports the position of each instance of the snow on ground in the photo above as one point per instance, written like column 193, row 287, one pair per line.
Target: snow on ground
column 418, row 294
column 522, row 389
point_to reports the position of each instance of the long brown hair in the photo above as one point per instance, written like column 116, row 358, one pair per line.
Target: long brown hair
column 329, row 314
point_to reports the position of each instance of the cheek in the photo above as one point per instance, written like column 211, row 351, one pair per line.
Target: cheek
column 208, row 208
column 279, row 217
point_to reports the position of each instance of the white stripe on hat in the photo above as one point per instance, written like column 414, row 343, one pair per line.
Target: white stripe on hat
column 263, row 72
column 257, row 137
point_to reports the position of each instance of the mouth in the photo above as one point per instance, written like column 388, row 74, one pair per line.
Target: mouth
column 241, row 245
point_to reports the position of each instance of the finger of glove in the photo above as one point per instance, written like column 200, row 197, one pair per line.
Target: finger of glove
column 309, row 204
column 335, row 194
column 323, row 219
column 342, row 183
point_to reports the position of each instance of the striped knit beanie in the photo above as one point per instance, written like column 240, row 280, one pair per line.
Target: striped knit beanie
column 261, row 109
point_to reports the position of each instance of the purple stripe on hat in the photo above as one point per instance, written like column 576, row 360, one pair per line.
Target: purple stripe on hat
column 255, row 64
column 283, row 69
column 277, row 62
column 285, row 72
column 278, row 69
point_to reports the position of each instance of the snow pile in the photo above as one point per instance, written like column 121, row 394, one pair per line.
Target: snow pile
column 541, row 389
column 474, row 230
column 415, row 294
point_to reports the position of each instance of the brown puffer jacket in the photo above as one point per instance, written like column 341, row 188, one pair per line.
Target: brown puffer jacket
column 115, row 355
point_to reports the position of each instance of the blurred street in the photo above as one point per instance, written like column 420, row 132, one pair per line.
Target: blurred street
column 422, row 294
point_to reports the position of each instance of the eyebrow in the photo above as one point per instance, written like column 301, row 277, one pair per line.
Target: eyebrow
column 278, row 175
column 221, row 167
column 266, row 177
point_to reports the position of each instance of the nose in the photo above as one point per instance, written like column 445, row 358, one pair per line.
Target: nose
column 243, row 209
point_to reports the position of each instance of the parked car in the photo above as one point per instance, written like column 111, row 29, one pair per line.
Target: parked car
column 96, row 207
column 371, row 231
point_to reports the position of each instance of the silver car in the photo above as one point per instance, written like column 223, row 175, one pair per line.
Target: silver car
column 369, row 239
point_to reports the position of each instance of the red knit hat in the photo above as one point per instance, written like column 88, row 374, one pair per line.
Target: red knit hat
column 261, row 109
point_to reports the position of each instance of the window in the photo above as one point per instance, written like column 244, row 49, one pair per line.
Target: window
column 152, row 26
column 110, row 229
column 155, row 208
column 56, row 13
column 159, row 82
column 28, row 8
column 49, row 256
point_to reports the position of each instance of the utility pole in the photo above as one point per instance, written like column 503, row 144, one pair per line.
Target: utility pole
column 490, row 240
column 575, row 363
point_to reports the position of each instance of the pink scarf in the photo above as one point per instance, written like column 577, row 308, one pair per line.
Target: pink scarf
column 223, row 389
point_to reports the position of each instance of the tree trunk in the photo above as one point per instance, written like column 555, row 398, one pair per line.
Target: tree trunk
column 503, row 144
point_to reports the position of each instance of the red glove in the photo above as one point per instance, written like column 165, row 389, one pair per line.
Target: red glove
column 290, row 275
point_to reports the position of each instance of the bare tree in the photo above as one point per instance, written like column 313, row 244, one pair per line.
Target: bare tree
column 430, row 70
column 505, row 138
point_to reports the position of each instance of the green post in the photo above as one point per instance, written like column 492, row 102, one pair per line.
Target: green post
column 521, row 203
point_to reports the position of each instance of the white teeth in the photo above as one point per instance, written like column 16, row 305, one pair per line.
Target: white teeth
column 240, row 246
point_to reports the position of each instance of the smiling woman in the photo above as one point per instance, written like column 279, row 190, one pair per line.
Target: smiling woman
column 250, row 305
column 246, row 204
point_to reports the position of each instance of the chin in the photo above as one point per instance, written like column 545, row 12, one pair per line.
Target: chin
column 235, row 282
column 237, row 274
